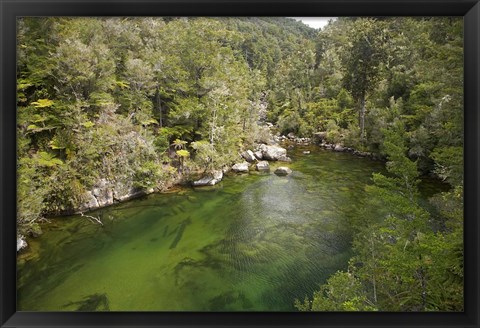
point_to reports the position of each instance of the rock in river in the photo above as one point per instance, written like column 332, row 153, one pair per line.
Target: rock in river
column 284, row 159
column 209, row 180
column 240, row 167
column 263, row 166
column 273, row 153
column 283, row 170
column 21, row 243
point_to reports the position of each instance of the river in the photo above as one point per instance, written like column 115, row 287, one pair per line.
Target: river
column 252, row 243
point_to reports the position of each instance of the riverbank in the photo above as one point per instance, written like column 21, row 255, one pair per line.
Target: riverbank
column 252, row 242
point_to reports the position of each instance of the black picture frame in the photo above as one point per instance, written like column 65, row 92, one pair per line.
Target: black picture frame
column 9, row 10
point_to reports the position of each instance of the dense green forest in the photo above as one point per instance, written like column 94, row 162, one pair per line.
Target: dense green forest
column 146, row 103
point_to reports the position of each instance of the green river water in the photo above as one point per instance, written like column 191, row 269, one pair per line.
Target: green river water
column 252, row 243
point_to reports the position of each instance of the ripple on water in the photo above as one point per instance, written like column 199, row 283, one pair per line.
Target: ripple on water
column 251, row 243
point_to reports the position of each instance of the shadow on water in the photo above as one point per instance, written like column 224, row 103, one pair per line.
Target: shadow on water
column 251, row 243
column 230, row 300
column 94, row 302
column 180, row 232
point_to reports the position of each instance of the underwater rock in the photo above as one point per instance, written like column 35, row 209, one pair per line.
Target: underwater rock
column 282, row 171
column 284, row 159
column 306, row 152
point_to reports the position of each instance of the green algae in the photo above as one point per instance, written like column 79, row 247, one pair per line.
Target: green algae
column 255, row 242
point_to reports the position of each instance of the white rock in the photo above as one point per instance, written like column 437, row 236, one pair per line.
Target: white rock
column 272, row 153
column 249, row 156
column 258, row 154
column 240, row 167
column 209, row 180
column 339, row 148
column 21, row 243
column 263, row 166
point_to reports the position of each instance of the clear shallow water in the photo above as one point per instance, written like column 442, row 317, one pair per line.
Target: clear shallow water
column 252, row 243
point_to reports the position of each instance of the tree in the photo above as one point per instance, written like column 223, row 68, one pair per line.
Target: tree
column 362, row 62
column 400, row 262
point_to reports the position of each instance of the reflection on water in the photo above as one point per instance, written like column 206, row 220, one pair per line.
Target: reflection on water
column 252, row 243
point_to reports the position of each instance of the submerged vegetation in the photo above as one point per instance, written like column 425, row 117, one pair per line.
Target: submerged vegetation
column 144, row 103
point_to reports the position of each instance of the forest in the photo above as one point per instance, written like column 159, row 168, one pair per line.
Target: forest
column 149, row 103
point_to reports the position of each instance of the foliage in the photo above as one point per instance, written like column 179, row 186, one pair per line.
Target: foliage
column 402, row 262
column 142, row 101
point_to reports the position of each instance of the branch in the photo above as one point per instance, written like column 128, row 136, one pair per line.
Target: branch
column 96, row 219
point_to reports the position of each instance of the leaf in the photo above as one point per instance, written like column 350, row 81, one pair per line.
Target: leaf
column 32, row 127
column 23, row 84
column 183, row 153
column 149, row 121
column 46, row 159
column 88, row 124
column 122, row 84
column 41, row 103
column 54, row 144
column 38, row 118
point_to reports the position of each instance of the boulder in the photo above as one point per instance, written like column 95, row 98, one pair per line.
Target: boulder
column 320, row 135
column 263, row 166
column 283, row 170
column 284, row 159
column 89, row 203
column 105, row 197
column 21, row 243
column 258, row 155
column 306, row 152
column 240, row 167
column 361, row 153
column 103, row 193
column 339, row 148
column 291, row 135
column 209, row 180
column 122, row 192
column 272, row 153
column 249, row 156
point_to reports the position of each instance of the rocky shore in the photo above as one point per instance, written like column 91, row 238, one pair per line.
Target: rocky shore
column 105, row 193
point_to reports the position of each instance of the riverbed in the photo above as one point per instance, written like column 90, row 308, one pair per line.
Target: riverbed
column 254, row 242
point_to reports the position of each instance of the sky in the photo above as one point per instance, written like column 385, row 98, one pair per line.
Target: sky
column 315, row 22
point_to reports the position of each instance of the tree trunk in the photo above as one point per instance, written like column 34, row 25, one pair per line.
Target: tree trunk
column 361, row 118
column 213, row 127
column 374, row 281
column 159, row 107
column 421, row 275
